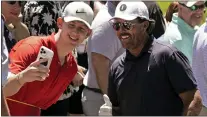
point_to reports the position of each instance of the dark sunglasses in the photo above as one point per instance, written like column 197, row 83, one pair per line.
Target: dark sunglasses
column 194, row 7
column 126, row 25
column 21, row 3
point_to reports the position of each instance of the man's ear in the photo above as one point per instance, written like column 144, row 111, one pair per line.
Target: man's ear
column 145, row 25
column 89, row 33
column 60, row 22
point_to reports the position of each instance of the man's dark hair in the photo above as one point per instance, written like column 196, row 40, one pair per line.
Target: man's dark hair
column 151, row 24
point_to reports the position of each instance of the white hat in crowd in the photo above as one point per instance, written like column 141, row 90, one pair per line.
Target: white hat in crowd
column 189, row 3
column 131, row 10
column 78, row 11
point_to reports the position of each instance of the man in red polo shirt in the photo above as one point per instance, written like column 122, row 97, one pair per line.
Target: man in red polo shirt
column 74, row 28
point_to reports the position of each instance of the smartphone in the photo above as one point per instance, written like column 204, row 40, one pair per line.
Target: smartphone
column 45, row 52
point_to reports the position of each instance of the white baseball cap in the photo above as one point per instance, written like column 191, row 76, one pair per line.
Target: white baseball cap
column 78, row 11
column 189, row 3
column 131, row 10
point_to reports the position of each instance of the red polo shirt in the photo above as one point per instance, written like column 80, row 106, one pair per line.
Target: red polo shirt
column 38, row 94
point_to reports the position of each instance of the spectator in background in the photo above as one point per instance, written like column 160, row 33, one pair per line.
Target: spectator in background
column 4, row 69
column 19, row 30
column 98, row 5
column 41, row 17
column 199, row 64
column 155, row 13
column 103, row 48
column 14, row 29
column 181, row 30
column 172, row 8
column 180, row 33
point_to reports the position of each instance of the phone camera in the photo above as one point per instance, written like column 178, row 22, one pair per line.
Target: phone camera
column 42, row 51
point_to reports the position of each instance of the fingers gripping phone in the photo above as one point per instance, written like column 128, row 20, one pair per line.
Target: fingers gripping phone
column 44, row 52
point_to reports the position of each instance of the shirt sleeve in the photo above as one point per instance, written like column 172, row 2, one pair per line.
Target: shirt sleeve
column 104, row 41
column 21, row 56
column 180, row 73
column 113, row 94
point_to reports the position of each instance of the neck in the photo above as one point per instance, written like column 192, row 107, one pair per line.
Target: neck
column 62, row 49
column 185, row 20
column 136, row 51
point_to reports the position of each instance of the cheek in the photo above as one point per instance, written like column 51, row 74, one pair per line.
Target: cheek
column 117, row 33
column 18, row 10
column 134, row 34
column 81, row 39
column 5, row 9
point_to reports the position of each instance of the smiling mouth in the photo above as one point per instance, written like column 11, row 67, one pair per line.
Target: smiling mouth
column 124, row 36
column 14, row 13
column 198, row 16
column 73, row 40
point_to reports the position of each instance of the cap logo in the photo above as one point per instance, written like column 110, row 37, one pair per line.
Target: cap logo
column 80, row 11
column 123, row 7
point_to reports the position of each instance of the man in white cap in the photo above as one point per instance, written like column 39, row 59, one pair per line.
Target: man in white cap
column 41, row 87
column 181, row 30
column 150, row 78
column 180, row 33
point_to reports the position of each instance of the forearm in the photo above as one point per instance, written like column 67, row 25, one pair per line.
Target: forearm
column 4, row 108
column 21, row 31
column 195, row 106
column 102, row 77
column 102, row 82
column 187, row 97
column 12, row 86
column 101, row 68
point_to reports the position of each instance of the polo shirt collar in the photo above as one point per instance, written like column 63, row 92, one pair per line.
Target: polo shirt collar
column 183, row 25
column 146, row 49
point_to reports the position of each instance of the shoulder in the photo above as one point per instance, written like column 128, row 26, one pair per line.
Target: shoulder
column 31, row 43
column 119, row 62
column 163, row 50
column 102, row 18
column 102, row 29
column 172, row 34
column 201, row 36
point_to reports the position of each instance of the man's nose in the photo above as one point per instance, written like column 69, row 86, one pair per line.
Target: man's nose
column 74, row 33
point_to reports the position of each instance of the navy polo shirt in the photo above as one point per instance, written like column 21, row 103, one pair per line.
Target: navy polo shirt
column 150, row 83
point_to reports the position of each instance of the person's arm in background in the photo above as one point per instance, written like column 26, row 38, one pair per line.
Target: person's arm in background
column 101, row 67
column 156, row 13
column 104, row 47
column 19, row 29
